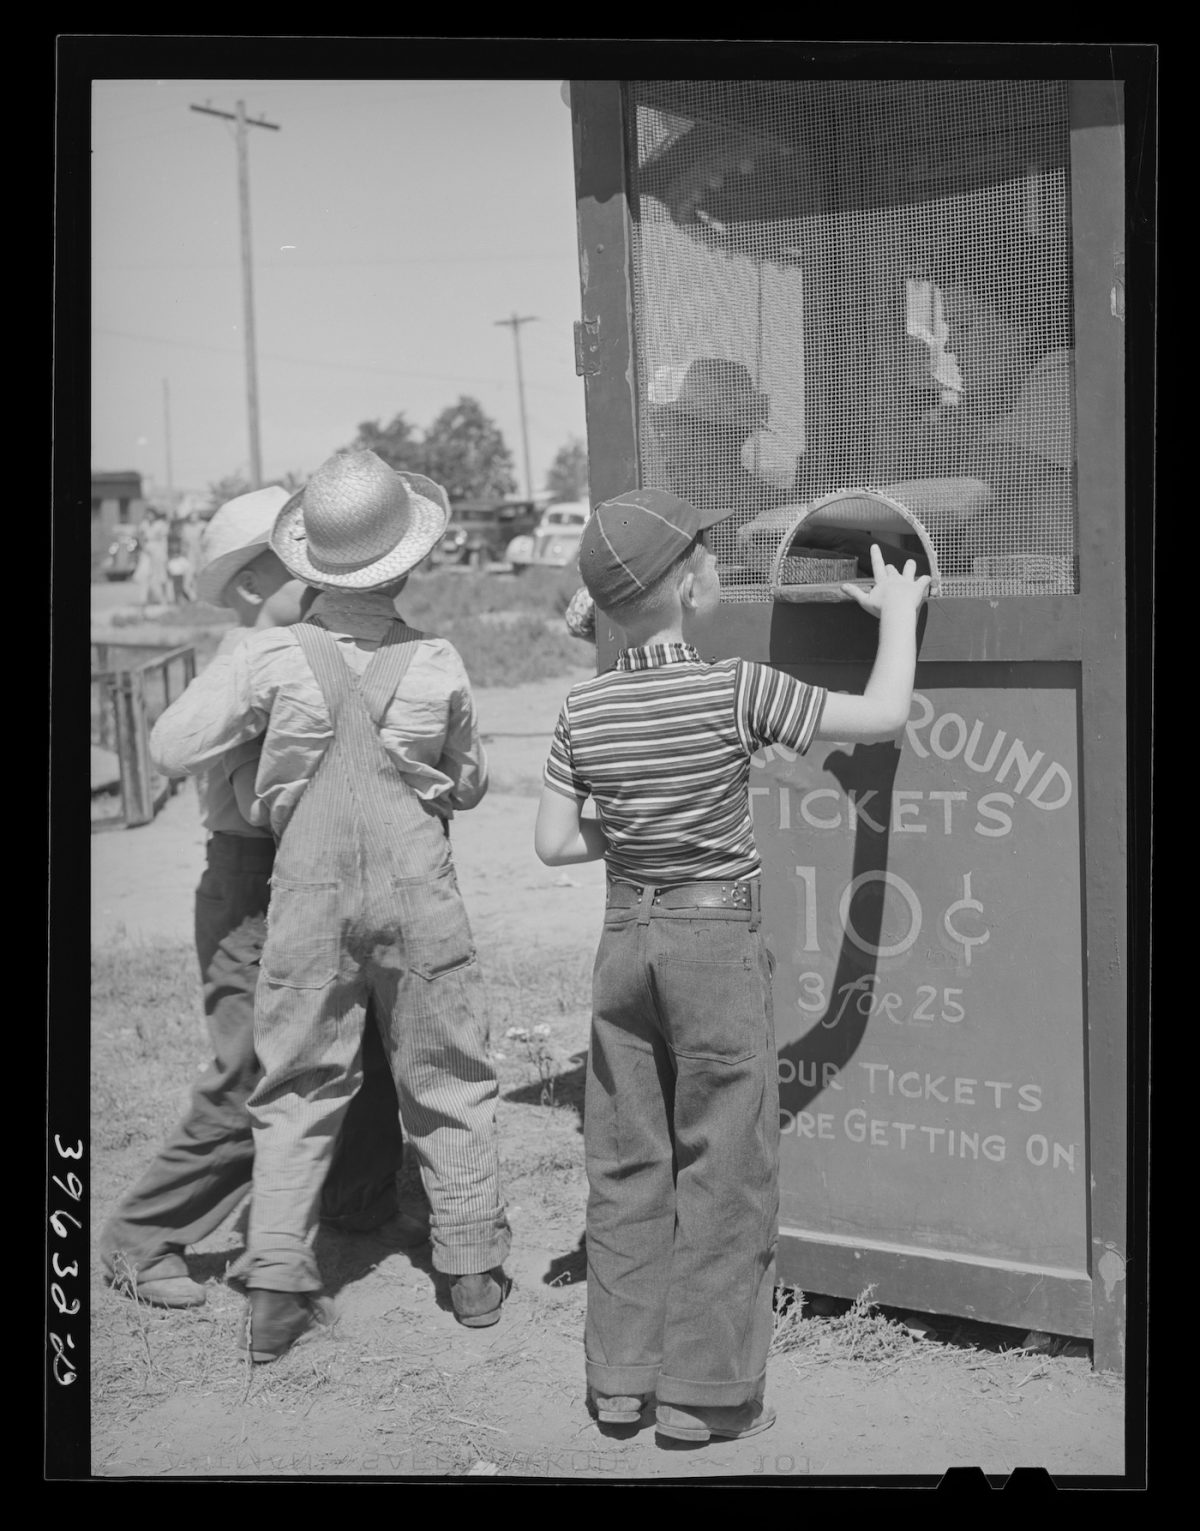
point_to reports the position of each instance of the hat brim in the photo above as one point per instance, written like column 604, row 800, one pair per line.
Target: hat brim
column 712, row 517
column 213, row 580
column 430, row 516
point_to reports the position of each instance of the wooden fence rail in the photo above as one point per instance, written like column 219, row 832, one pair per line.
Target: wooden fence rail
column 126, row 700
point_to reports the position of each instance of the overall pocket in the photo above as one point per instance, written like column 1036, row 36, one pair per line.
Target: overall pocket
column 432, row 927
column 303, row 935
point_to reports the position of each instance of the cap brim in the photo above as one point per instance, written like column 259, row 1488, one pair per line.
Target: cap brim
column 711, row 517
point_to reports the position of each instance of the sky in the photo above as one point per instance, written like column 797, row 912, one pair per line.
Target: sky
column 393, row 222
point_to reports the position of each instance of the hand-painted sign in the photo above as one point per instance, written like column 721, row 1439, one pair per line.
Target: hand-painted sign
column 923, row 902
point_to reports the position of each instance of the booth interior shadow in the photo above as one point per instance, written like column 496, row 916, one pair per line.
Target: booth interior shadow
column 826, row 1048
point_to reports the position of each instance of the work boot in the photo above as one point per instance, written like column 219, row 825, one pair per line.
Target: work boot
column 699, row 1422
column 166, row 1292
column 477, row 1299
column 277, row 1320
column 618, row 1408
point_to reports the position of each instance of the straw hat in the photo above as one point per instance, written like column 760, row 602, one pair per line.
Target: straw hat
column 234, row 537
column 358, row 524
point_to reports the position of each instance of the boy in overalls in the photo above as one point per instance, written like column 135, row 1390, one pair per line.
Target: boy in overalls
column 371, row 743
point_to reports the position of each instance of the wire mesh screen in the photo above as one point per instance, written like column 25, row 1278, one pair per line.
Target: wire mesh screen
column 861, row 284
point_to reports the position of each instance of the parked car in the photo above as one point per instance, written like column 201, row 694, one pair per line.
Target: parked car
column 121, row 559
column 480, row 530
column 554, row 542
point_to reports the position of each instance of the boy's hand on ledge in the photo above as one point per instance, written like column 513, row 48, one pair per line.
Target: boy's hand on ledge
column 894, row 589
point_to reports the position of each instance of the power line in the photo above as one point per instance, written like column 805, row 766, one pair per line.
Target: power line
column 337, row 366
column 403, row 260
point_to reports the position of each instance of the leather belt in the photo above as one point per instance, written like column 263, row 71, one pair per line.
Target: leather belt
column 685, row 895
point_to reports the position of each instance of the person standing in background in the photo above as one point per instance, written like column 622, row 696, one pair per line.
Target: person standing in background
column 191, row 534
column 154, row 540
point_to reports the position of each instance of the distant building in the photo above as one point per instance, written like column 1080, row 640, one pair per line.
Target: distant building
column 117, row 500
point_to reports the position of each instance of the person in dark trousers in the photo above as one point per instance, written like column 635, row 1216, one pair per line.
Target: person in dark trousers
column 371, row 743
column 204, row 1169
column 681, row 1131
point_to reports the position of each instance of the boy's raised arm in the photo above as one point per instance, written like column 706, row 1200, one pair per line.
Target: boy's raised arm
column 882, row 710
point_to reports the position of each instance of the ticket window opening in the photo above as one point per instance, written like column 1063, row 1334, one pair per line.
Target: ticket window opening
column 810, row 552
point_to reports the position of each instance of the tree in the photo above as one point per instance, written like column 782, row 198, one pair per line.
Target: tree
column 465, row 452
column 567, row 478
column 235, row 484
column 227, row 488
column 398, row 443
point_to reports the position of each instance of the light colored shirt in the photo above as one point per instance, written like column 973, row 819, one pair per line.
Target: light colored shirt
column 663, row 744
column 266, row 686
column 1042, row 418
column 219, row 812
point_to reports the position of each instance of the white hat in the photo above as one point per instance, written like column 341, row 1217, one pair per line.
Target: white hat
column 234, row 537
column 358, row 524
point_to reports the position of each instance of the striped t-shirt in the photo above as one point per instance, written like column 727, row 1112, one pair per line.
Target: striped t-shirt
column 663, row 744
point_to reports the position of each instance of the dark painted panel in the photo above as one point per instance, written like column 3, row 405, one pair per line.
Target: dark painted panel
column 1058, row 1302
column 924, row 907
column 1012, row 628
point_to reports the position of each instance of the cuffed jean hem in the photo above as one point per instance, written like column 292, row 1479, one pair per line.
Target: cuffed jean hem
column 157, row 1267
column 482, row 1249
column 618, row 1381
column 278, row 1270
column 680, row 1391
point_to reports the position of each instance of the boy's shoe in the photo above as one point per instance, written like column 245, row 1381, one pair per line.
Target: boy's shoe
column 278, row 1319
column 477, row 1299
column 166, row 1292
column 407, row 1228
column 699, row 1422
column 618, row 1408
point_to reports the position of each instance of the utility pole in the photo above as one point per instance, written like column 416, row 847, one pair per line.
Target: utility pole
column 514, row 322
column 243, row 122
column 167, row 432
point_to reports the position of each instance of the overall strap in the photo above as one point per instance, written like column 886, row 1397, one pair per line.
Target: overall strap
column 368, row 771
column 387, row 668
column 330, row 669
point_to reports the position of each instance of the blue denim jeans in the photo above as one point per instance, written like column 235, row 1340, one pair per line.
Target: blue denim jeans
column 681, row 1134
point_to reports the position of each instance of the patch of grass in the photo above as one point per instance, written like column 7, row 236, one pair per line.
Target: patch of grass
column 527, row 648
column 147, row 1039
column 864, row 1333
column 508, row 630
column 430, row 601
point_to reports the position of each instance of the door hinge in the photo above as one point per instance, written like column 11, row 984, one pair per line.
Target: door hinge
column 587, row 347
column 1117, row 293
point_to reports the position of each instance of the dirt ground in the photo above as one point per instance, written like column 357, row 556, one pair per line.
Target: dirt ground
column 396, row 1387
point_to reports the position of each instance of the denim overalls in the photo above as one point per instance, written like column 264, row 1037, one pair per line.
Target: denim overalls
column 364, row 900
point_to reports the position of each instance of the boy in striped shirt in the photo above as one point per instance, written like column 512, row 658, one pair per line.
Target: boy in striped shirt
column 681, row 1111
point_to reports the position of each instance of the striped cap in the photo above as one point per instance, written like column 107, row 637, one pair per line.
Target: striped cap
column 632, row 540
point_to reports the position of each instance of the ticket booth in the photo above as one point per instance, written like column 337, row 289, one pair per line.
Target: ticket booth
column 892, row 311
